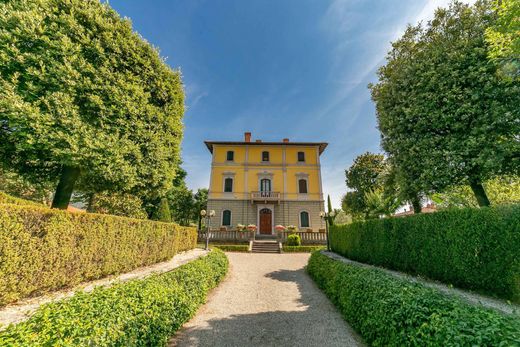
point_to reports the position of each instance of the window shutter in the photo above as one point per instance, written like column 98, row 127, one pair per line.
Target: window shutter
column 301, row 156
column 302, row 186
column 304, row 219
column 228, row 185
column 230, row 156
column 226, row 218
column 265, row 156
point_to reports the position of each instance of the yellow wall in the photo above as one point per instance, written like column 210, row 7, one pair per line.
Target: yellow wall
column 246, row 173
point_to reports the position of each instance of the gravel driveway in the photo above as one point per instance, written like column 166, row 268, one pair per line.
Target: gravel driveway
column 267, row 300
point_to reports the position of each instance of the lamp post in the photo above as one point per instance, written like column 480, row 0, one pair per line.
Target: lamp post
column 325, row 216
column 207, row 216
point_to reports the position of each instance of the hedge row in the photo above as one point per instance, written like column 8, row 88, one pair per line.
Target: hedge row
column 302, row 249
column 135, row 313
column 232, row 248
column 470, row 248
column 8, row 199
column 43, row 250
column 388, row 311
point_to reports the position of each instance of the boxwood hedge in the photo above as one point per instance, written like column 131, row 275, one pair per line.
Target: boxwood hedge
column 135, row 313
column 301, row 249
column 43, row 250
column 471, row 248
column 389, row 311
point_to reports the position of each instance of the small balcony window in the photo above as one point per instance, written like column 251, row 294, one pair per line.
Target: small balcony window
column 230, row 156
column 265, row 156
column 301, row 157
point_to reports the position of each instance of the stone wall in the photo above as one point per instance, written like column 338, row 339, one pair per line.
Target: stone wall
column 286, row 213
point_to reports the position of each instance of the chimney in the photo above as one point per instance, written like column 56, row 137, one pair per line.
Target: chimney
column 258, row 141
column 285, row 140
column 247, row 137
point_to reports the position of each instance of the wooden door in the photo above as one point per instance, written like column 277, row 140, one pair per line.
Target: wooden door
column 266, row 225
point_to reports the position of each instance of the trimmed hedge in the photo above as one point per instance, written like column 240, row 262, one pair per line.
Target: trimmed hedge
column 232, row 248
column 8, row 199
column 388, row 311
column 471, row 248
column 135, row 313
column 303, row 249
column 43, row 250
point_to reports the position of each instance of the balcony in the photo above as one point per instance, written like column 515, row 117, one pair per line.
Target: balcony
column 265, row 196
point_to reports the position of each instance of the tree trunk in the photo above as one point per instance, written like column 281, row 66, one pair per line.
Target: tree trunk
column 65, row 187
column 480, row 193
column 416, row 204
column 90, row 203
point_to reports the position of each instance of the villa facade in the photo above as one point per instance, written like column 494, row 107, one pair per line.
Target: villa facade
column 266, row 184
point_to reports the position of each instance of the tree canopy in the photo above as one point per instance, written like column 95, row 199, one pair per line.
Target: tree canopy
column 86, row 101
column 445, row 116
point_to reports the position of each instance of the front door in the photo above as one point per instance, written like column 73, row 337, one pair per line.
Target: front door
column 266, row 226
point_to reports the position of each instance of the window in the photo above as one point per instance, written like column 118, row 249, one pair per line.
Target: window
column 304, row 219
column 228, row 185
column 301, row 157
column 302, row 186
column 265, row 187
column 230, row 156
column 226, row 218
column 265, row 156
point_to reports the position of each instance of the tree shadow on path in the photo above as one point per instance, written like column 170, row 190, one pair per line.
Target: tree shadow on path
column 312, row 321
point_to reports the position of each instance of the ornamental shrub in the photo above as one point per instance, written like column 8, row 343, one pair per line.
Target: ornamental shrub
column 43, row 250
column 294, row 240
column 8, row 199
column 301, row 249
column 390, row 311
column 471, row 248
column 136, row 313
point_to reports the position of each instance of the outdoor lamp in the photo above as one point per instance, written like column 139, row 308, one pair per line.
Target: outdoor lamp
column 324, row 215
column 203, row 213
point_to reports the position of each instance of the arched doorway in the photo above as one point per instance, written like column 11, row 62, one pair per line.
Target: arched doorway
column 266, row 221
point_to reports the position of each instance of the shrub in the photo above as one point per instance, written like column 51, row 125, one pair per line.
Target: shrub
column 232, row 248
column 294, row 240
column 8, row 199
column 135, row 313
column 43, row 250
column 471, row 248
column 389, row 311
column 302, row 249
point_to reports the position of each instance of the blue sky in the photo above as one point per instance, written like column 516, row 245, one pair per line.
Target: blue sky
column 291, row 68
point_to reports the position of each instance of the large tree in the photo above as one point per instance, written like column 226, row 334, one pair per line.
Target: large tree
column 365, row 175
column 445, row 116
column 85, row 102
column 503, row 37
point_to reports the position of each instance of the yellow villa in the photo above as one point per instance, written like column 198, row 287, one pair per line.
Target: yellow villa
column 266, row 184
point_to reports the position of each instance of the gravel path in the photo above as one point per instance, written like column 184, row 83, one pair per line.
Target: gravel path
column 267, row 300
column 23, row 309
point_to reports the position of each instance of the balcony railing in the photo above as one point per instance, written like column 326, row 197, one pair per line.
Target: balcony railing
column 265, row 196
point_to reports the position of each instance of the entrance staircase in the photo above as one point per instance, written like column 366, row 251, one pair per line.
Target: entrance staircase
column 265, row 246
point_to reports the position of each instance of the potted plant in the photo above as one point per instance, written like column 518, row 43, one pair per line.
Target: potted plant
column 241, row 227
column 280, row 228
column 251, row 227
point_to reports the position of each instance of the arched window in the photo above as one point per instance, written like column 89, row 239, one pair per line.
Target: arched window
column 226, row 218
column 265, row 156
column 302, row 186
column 228, row 185
column 230, row 156
column 304, row 219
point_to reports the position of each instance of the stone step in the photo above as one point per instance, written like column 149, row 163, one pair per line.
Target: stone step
column 265, row 247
